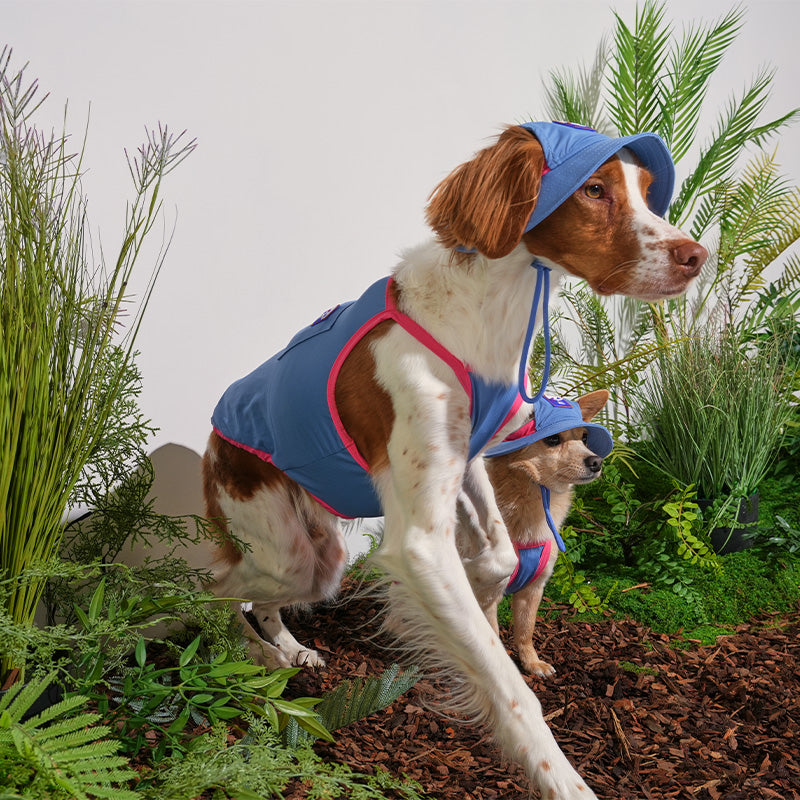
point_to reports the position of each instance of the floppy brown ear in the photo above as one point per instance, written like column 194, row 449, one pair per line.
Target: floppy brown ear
column 592, row 403
column 485, row 203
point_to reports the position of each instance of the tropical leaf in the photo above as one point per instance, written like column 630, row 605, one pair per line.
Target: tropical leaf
column 692, row 64
column 736, row 127
column 636, row 71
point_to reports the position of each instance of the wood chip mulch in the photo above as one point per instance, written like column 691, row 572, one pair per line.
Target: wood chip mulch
column 636, row 712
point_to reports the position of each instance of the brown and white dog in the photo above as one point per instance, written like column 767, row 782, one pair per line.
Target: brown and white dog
column 554, row 456
column 403, row 409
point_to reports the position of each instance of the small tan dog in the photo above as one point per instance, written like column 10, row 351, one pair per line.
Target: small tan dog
column 533, row 475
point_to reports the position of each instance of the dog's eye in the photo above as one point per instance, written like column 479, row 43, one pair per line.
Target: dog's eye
column 552, row 441
column 594, row 190
column 585, row 438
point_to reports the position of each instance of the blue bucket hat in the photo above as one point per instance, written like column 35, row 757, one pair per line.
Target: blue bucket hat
column 554, row 415
column 573, row 153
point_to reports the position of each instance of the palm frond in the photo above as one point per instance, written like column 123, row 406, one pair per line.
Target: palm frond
column 735, row 129
column 578, row 96
column 790, row 277
column 693, row 63
column 636, row 67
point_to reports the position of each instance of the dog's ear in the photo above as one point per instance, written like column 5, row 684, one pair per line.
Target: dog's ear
column 485, row 203
column 592, row 403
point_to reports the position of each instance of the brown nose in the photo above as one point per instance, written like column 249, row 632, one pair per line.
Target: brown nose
column 690, row 257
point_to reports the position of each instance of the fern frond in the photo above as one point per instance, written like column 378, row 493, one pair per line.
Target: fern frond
column 354, row 700
column 60, row 749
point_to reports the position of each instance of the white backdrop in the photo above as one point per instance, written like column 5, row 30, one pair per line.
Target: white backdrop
column 321, row 128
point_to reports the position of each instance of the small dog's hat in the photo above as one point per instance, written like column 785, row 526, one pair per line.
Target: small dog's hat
column 554, row 415
column 573, row 152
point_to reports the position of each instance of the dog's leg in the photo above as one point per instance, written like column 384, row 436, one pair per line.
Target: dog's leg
column 431, row 601
column 295, row 549
column 472, row 544
column 524, row 606
column 490, row 559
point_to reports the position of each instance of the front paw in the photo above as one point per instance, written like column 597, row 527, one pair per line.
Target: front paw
column 533, row 665
column 308, row 658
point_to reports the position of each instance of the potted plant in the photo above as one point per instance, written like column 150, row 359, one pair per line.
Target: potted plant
column 716, row 413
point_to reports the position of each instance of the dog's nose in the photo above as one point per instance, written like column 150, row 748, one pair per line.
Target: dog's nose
column 593, row 463
column 690, row 257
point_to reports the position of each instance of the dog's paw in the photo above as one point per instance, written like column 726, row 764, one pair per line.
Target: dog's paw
column 308, row 658
column 539, row 668
column 267, row 655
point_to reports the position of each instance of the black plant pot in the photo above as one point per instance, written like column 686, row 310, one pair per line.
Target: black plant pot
column 738, row 537
column 53, row 694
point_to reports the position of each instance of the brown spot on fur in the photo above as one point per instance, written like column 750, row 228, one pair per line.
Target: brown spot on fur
column 365, row 407
column 240, row 475
column 545, row 766
column 486, row 202
column 592, row 238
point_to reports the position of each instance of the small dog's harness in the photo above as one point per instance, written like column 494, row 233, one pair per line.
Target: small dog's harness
column 285, row 410
column 531, row 562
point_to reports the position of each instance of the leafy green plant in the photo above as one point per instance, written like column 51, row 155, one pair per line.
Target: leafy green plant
column 259, row 767
column 573, row 582
column 354, row 700
column 656, row 537
column 60, row 753
column 62, row 365
column 163, row 699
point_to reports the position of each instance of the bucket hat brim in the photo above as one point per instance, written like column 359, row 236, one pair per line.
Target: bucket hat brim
column 555, row 415
column 573, row 153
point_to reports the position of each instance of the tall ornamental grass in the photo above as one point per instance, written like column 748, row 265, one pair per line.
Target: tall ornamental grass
column 63, row 353
column 716, row 415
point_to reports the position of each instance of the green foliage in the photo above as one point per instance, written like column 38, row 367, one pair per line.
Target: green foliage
column 648, row 77
column 164, row 699
column 123, row 517
column 715, row 416
column 259, row 767
column 572, row 582
column 61, row 363
column 630, row 542
column 60, row 753
column 354, row 700
column 657, row 535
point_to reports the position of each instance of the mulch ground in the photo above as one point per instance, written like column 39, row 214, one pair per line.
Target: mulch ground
column 637, row 713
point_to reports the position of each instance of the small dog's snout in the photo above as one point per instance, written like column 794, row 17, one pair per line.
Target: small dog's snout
column 593, row 463
column 690, row 257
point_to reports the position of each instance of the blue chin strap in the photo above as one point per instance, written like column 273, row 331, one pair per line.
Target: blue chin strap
column 548, row 516
column 542, row 291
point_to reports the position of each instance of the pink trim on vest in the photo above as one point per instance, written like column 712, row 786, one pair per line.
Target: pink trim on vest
column 268, row 458
column 391, row 312
column 252, row 450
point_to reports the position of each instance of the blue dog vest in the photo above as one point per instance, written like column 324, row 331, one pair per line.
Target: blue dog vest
column 285, row 410
column 531, row 562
